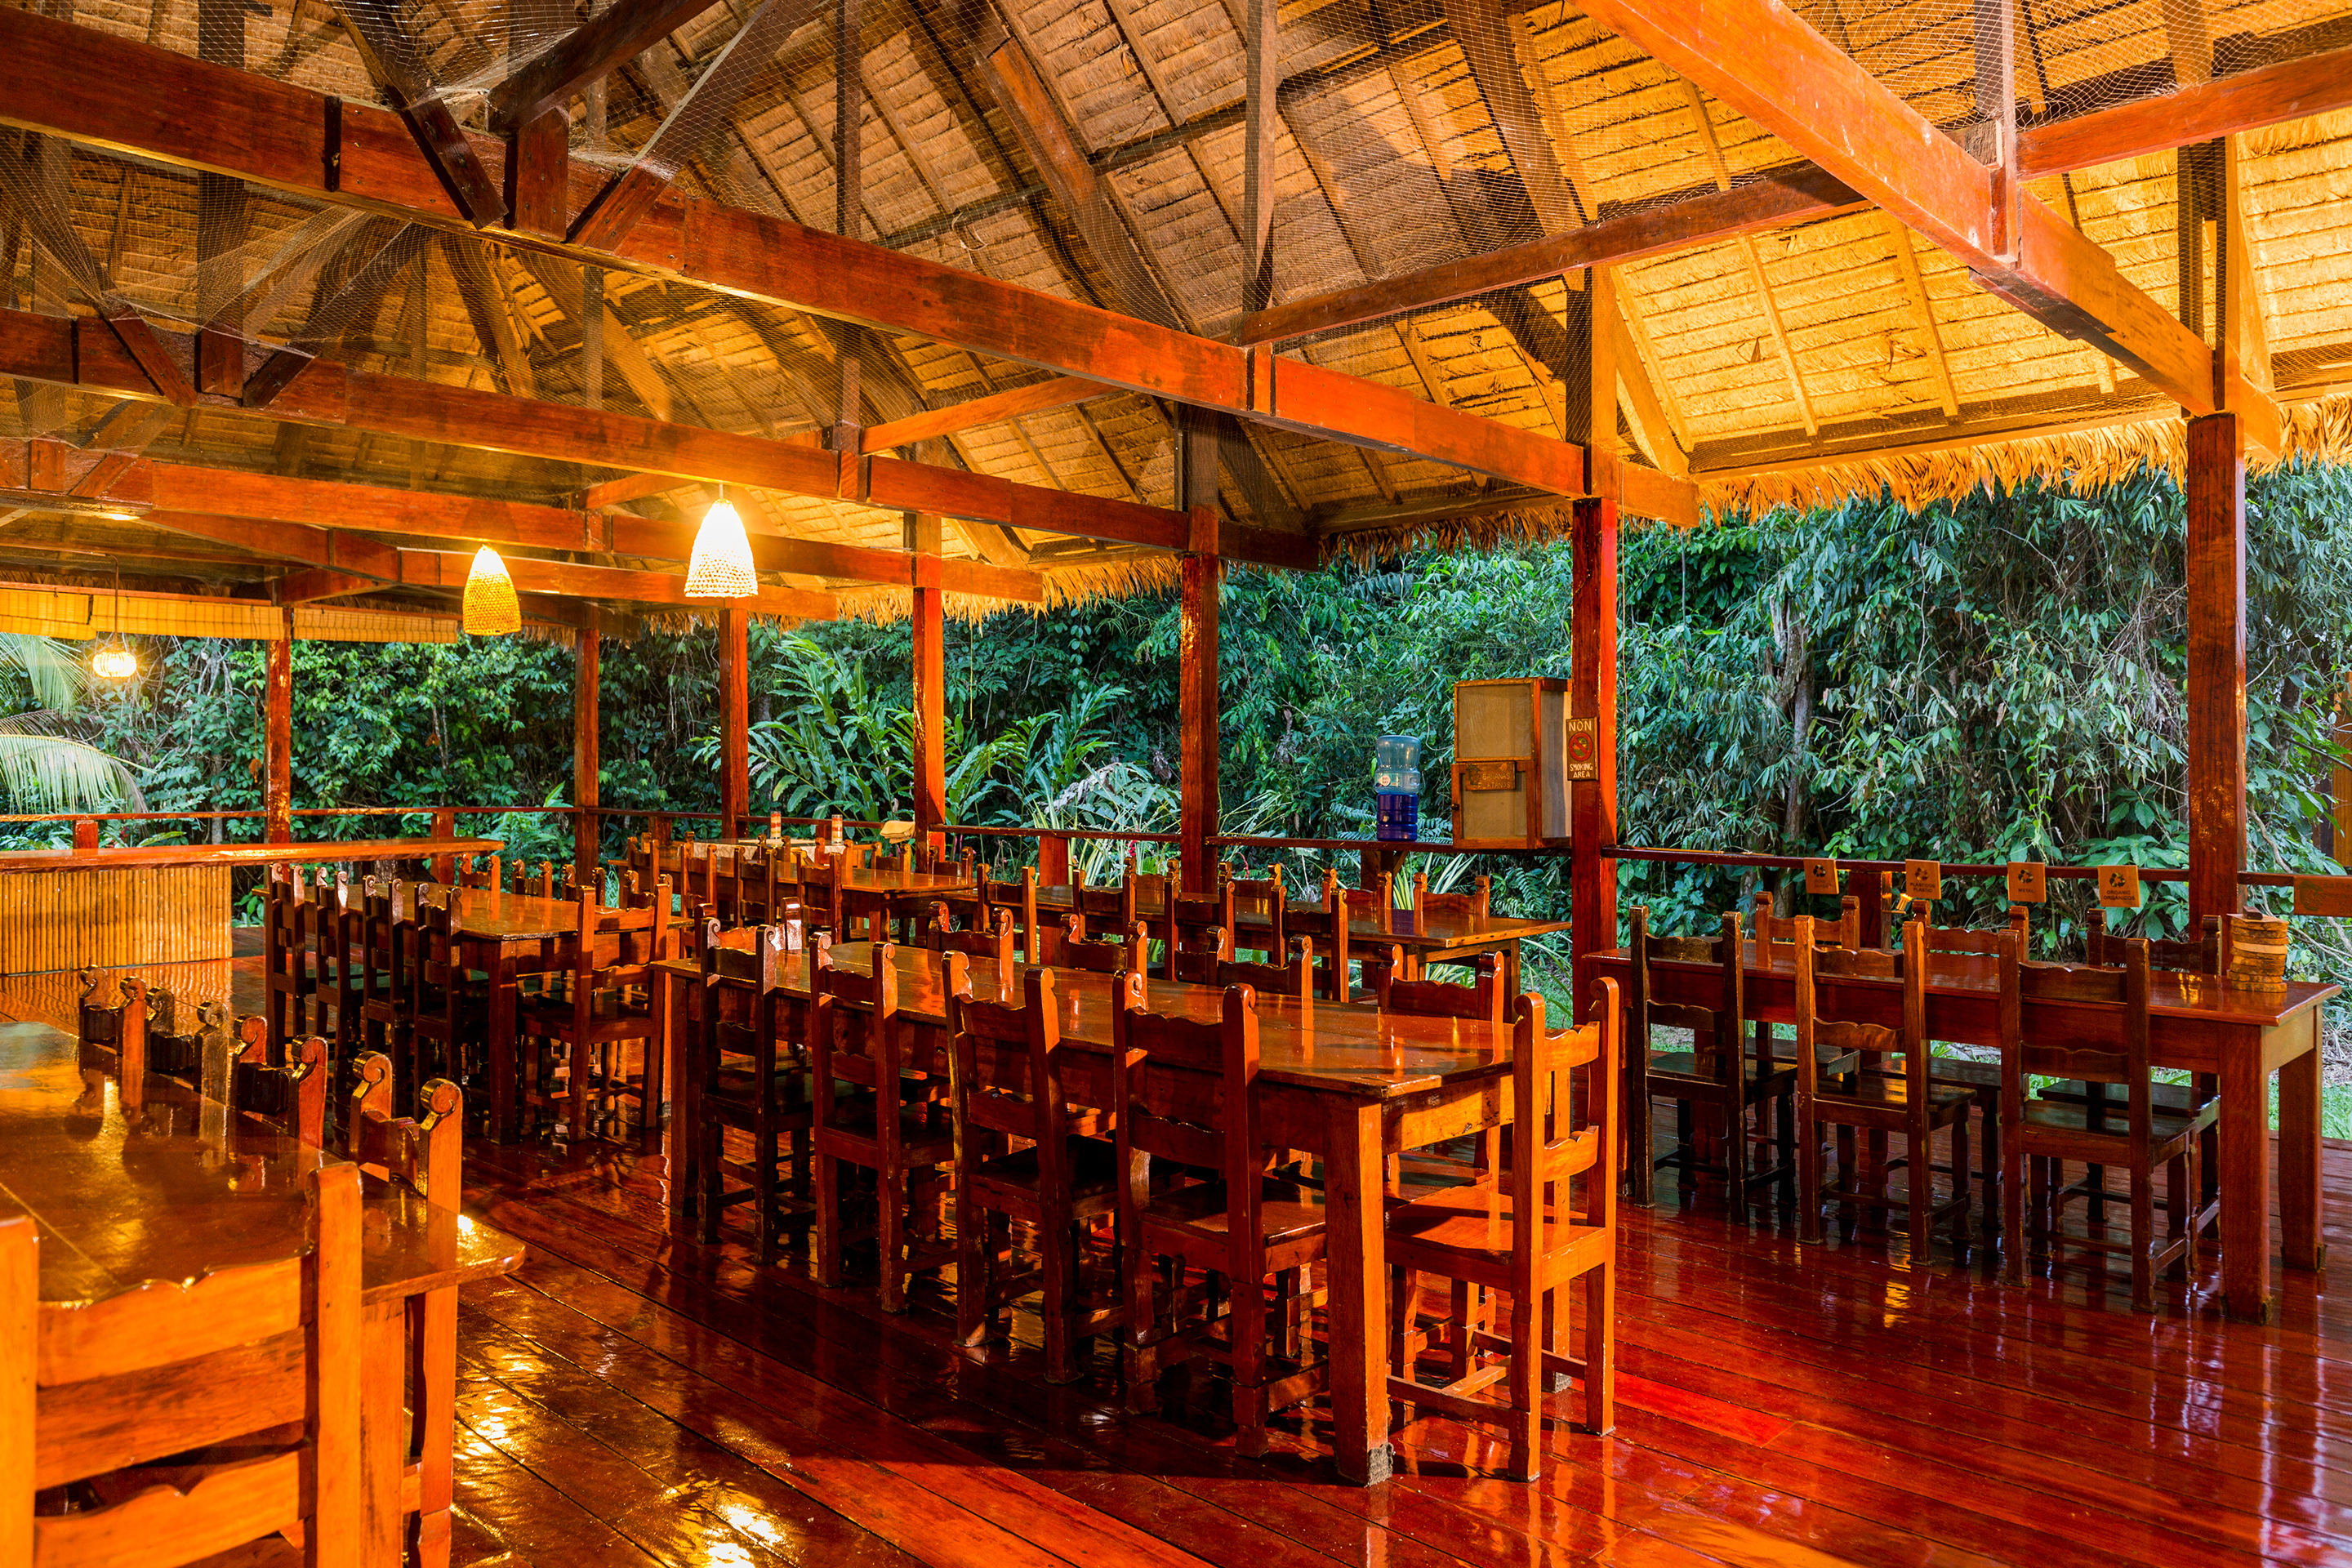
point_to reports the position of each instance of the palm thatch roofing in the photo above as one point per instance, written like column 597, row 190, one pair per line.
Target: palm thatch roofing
column 1789, row 365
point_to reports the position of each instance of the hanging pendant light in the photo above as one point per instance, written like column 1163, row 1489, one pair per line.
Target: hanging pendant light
column 491, row 608
column 115, row 661
column 721, row 567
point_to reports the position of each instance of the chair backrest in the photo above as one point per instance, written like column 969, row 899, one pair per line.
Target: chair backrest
column 820, row 885
column 1816, row 1030
column 2200, row 955
column 1017, row 898
column 1120, row 947
column 855, row 1035
column 482, row 873
column 168, row 1367
column 1473, row 905
column 1195, row 951
column 1328, row 927
column 1109, row 907
column 1548, row 1147
column 1008, row 1075
column 1843, row 931
column 2061, row 1047
column 1481, row 999
column 1255, row 899
column 1294, row 978
column 749, row 959
column 112, row 1022
column 1191, row 918
column 425, row 1154
column 1186, row 1092
column 988, row 939
column 291, row 1094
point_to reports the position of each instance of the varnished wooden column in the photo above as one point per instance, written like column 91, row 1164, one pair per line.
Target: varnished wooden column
column 1592, row 640
column 277, row 741
column 587, row 681
column 1197, row 701
column 734, row 721
column 2216, row 562
column 930, row 684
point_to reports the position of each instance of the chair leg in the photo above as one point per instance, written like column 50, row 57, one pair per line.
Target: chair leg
column 890, row 1236
column 1405, row 1307
column 1990, row 1105
column 2178, row 1176
column 973, row 1288
column 2039, row 1242
column 1641, row 1173
column 1600, row 1349
column 2143, row 1239
column 1527, row 1386
column 1459, row 1327
column 1142, row 1325
column 1784, row 1118
column 1808, row 1183
column 2013, row 1207
column 828, row 1220
column 764, row 1188
column 1963, row 1178
column 1245, row 1333
column 1918, row 1148
column 1057, row 1259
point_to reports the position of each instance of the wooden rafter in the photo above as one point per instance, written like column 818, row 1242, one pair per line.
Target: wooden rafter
column 1058, row 392
column 1923, row 315
column 746, row 253
column 1766, row 63
column 565, row 289
column 492, row 314
column 1702, row 127
column 588, row 53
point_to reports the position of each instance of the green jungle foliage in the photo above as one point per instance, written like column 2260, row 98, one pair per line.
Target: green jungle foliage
column 1997, row 678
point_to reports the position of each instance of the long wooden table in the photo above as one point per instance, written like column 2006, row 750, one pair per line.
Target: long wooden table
column 1353, row 1085
column 2242, row 1037
column 181, row 1184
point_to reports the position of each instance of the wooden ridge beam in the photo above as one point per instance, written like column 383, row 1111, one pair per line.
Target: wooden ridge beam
column 317, row 583
column 1059, row 392
column 589, row 52
column 447, row 569
column 227, row 505
column 329, row 549
column 61, row 81
column 324, row 391
column 1765, row 62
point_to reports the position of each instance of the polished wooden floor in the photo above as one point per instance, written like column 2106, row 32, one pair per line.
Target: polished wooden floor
column 631, row 1398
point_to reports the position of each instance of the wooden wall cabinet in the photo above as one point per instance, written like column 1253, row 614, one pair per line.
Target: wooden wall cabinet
column 1510, row 763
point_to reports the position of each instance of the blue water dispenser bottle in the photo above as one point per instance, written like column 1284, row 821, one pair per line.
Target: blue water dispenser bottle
column 1396, row 789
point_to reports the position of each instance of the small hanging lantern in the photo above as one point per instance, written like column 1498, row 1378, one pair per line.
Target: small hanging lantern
column 721, row 567
column 115, row 661
column 491, row 608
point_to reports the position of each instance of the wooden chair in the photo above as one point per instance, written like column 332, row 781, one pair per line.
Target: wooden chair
column 1882, row 1101
column 1185, row 1093
column 1198, row 926
column 1061, row 1180
column 387, row 954
column 2200, row 954
column 1479, row 1000
column 893, row 1123
column 989, row 941
column 1981, row 1079
column 338, row 968
column 1327, row 925
column 286, row 953
column 1294, row 978
column 1017, row 898
column 100, row 1391
column 1715, row 1073
column 1124, row 946
column 606, row 1007
column 2044, row 1133
column 1376, row 904
column 1108, row 907
column 1527, row 1236
column 820, row 883
column 1262, row 903
column 1474, row 907
column 2197, row 955
column 448, row 1008
column 752, row 1078
column 1843, row 931
column 483, row 872
column 289, row 1093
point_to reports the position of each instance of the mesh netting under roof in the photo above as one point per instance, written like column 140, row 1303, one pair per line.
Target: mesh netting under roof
column 1408, row 134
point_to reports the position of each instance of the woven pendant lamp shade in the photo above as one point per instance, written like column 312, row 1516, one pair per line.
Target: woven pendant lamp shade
column 114, row 662
column 491, row 608
column 721, row 566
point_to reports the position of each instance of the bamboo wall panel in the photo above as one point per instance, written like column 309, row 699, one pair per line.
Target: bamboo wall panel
column 62, row 920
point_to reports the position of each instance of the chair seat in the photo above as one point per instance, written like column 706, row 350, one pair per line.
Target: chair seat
column 1763, row 1077
column 923, row 1143
column 2174, row 1099
column 742, row 1084
column 1884, row 1091
column 1964, row 1073
column 1285, row 1213
column 1093, row 1164
column 1467, row 1232
column 2058, row 1116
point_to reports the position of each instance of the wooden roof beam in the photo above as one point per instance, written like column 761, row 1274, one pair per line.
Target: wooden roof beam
column 589, row 52
column 1766, row 63
column 275, row 134
column 1059, row 392
column 398, row 65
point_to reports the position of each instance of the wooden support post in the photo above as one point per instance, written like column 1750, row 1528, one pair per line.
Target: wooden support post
column 1197, row 701
column 587, row 679
column 1053, row 860
column 277, row 741
column 1261, row 81
column 930, row 787
column 734, row 721
column 1592, row 645
column 848, row 197
column 2217, row 664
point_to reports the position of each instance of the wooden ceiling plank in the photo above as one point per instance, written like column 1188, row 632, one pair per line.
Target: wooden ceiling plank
column 592, row 50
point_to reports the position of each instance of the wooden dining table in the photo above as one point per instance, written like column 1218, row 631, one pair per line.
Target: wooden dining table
column 164, row 1185
column 1348, row 1083
column 2196, row 1022
column 1444, row 933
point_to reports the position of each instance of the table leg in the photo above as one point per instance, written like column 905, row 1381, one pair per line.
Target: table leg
column 684, row 1132
column 383, row 1432
column 433, row 1362
column 2300, row 1239
column 1510, row 957
column 1353, row 1220
column 2245, row 1184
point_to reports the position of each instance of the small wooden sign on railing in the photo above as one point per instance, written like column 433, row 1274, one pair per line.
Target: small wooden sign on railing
column 2029, row 882
column 1822, row 876
column 2322, row 895
column 1923, row 880
column 2119, row 887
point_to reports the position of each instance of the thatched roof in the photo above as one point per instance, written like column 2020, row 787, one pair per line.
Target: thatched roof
column 1794, row 365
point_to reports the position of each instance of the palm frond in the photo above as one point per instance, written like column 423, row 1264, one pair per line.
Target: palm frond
column 50, row 773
